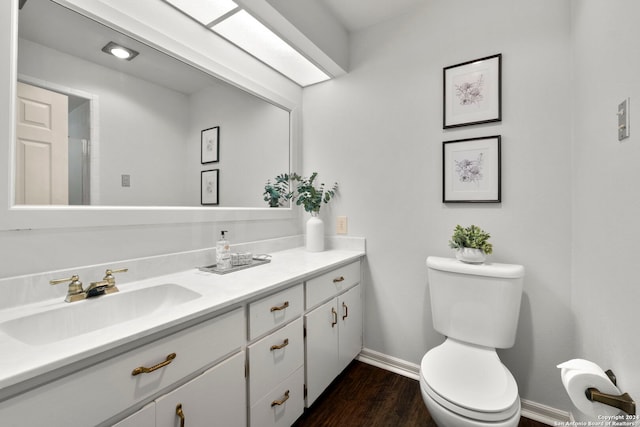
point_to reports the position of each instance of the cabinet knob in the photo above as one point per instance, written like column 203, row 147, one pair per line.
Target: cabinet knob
column 335, row 317
column 338, row 279
column 345, row 311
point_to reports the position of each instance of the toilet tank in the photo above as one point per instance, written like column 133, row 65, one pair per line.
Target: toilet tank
column 475, row 303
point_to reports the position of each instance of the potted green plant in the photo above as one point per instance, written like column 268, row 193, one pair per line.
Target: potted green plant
column 311, row 198
column 309, row 195
column 471, row 244
column 279, row 193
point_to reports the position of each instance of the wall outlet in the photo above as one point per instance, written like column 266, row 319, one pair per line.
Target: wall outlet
column 341, row 225
column 126, row 180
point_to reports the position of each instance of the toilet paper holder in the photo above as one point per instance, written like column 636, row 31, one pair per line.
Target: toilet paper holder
column 624, row 402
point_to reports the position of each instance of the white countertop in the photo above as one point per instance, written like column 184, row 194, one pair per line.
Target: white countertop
column 20, row 362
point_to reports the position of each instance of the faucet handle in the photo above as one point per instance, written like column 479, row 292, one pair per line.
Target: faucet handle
column 111, row 280
column 75, row 291
column 108, row 274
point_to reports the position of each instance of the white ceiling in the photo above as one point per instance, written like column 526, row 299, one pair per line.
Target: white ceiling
column 358, row 14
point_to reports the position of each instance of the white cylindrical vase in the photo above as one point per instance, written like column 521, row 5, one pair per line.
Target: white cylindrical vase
column 315, row 234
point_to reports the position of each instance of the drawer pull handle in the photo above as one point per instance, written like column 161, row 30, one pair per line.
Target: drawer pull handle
column 338, row 279
column 282, row 307
column 281, row 346
column 345, row 311
column 281, row 401
column 335, row 317
column 142, row 370
column 180, row 414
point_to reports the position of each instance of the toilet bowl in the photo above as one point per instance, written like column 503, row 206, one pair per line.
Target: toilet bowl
column 467, row 385
column 476, row 307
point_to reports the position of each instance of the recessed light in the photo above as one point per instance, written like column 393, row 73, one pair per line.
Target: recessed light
column 119, row 51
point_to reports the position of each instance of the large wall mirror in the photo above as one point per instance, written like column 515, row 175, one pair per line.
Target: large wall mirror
column 140, row 132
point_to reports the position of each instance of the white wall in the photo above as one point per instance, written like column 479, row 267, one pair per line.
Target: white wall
column 378, row 132
column 606, row 204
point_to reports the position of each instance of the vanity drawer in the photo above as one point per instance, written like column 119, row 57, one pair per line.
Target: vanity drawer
column 274, row 358
column 283, row 405
column 98, row 392
column 275, row 310
column 321, row 288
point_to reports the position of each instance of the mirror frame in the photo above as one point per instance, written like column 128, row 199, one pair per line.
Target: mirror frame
column 20, row 217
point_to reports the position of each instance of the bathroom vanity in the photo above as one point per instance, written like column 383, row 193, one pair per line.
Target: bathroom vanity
column 253, row 347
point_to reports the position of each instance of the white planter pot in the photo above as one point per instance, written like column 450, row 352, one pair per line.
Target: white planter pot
column 315, row 234
column 471, row 255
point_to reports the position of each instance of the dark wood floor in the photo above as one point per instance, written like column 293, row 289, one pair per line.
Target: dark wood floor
column 364, row 395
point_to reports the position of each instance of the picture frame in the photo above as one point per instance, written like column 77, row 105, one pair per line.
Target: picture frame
column 472, row 92
column 210, row 145
column 209, row 187
column 471, row 170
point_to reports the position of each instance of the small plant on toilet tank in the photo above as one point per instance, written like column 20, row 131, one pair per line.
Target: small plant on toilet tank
column 471, row 243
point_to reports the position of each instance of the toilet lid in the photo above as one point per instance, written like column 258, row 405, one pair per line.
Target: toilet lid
column 469, row 376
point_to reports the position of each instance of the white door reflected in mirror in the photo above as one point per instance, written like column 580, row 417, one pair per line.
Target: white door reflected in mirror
column 41, row 147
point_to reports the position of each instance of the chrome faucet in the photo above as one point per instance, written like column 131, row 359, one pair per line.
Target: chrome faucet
column 76, row 292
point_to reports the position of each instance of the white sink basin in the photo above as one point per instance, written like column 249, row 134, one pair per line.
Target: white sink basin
column 90, row 315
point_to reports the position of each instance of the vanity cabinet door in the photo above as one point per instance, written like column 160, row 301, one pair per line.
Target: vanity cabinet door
column 350, row 326
column 334, row 339
column 215, row 398
column 145, row 417
column 321, row 348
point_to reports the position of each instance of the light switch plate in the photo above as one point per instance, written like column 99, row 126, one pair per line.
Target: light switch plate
column 623, row 119
column 126, row 180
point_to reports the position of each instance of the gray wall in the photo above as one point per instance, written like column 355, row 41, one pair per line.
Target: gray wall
column 606, row 205
column 378, row 131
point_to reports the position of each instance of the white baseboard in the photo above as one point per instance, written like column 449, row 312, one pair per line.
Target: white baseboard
column 532, row 410
column 543, row 413
column 390, row 363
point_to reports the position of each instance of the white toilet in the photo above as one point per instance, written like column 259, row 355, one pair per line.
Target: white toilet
column 476, row 306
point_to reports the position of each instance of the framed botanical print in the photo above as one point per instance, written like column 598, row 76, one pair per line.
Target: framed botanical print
column 210, row 145
column 472, row 92
column 471, row 170
column 209, row 187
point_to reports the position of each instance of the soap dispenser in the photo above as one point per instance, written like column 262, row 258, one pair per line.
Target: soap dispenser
column 223, row 253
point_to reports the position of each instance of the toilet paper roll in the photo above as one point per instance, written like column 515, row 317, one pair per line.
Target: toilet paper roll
column 578, row 364
column 577, row 376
